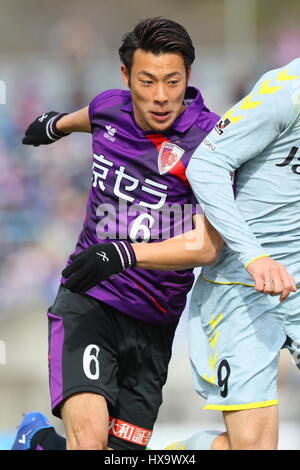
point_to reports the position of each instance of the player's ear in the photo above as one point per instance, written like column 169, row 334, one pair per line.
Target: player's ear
column 125, row 75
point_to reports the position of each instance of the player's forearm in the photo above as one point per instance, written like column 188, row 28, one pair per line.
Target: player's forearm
column 78, row 121
column 193, row 249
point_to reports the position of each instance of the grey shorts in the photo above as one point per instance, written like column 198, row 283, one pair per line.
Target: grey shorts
column 235, row 336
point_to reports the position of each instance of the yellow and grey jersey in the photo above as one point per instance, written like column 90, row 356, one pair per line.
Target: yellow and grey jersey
column 259, row 140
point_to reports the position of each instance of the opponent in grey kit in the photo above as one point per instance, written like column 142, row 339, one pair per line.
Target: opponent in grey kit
column 236, row 333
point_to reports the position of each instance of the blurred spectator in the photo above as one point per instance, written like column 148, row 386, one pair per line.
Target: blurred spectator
column 43, row 197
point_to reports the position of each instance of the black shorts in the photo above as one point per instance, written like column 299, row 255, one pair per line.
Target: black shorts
column 95, row 348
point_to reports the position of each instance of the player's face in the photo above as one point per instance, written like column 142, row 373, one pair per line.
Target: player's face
column 157, row 84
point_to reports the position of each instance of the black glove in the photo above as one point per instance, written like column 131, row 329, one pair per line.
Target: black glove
column 97, row 263
column 43, row 130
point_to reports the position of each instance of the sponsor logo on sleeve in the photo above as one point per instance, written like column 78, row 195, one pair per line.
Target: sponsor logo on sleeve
column 208, row 144
column 221, row 126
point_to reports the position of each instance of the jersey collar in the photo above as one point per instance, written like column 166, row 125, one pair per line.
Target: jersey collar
column 195, row 105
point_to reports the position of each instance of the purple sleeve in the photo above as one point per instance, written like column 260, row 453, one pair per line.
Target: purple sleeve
column 92, row 106
column 99, row 102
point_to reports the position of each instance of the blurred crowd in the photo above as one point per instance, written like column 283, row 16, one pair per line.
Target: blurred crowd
column 43, row 197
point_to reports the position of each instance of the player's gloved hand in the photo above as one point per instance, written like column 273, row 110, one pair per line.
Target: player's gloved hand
column 43, row 130
column 97, row 263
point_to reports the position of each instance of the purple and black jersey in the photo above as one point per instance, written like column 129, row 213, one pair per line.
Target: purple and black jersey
column 140, row 193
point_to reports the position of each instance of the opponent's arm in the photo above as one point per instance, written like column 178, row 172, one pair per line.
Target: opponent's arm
column 98, row 262
column 242, row 134
column 52, row 126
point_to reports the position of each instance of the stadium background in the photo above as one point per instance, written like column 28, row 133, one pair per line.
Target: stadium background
column 58, row 55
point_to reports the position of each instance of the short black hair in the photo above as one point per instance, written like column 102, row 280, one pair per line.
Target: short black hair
column 157, row 35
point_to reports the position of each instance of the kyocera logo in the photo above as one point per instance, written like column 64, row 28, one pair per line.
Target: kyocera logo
column 2, row 92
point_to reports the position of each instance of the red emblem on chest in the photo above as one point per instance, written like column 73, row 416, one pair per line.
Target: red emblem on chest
column 168, row 156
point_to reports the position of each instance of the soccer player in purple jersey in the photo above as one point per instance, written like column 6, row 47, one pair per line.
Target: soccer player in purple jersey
column 112, row 323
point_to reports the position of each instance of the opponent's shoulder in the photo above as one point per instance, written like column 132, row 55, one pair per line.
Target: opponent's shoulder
column 294, row 66
column 269, row 107
column 279, row 92
column 285, row 73
column 108, row 98
column 275, row 84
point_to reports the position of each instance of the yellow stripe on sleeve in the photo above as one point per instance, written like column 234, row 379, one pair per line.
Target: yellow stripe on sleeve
column 262, row 256
column 226, row 283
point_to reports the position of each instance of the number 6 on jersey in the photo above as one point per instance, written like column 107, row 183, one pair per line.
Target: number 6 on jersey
column 90, row 362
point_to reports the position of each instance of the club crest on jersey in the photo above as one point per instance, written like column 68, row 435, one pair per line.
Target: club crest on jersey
column 168, row 156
